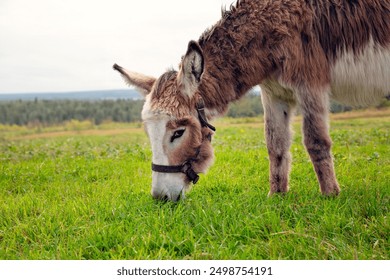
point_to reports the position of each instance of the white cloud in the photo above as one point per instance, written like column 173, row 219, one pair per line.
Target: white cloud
column 60, row 45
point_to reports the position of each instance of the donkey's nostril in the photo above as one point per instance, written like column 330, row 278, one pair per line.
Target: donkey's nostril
column 180, row 196
column 176, row 198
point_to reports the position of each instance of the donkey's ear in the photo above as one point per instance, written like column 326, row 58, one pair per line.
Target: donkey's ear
column 142, row 83
column 191, row 70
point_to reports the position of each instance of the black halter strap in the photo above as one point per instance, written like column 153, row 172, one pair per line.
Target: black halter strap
column 186, row 167
column 202, row 115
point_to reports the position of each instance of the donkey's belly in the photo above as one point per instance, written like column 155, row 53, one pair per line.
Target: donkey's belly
column 364, row 79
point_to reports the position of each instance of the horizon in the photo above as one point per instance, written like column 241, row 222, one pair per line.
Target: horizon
column 89, row 95
column 68, row 91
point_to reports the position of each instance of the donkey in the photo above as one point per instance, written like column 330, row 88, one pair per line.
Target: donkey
column 300, row 52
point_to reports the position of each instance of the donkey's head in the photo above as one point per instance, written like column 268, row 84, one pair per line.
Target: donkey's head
column 176, row 124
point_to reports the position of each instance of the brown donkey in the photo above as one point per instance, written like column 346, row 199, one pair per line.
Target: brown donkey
column 301, row 52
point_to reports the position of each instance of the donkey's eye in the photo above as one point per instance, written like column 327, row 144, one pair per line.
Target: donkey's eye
column 177, row 134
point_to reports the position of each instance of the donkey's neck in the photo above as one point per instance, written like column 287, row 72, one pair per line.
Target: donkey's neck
column 247, row 46
column 237, row 56
column 228, row 74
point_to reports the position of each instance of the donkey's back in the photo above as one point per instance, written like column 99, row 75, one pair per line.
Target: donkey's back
column 355, row 36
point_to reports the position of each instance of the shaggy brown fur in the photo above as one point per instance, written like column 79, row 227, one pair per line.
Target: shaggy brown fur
column 350, row 24
column 165, row 97
column 295, row 41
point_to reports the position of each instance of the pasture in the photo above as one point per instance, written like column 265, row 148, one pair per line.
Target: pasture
column 83, row 192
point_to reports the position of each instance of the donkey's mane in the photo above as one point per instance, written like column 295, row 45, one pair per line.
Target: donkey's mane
column 232, row 8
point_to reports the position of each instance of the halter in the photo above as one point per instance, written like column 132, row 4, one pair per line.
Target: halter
column 186, row 167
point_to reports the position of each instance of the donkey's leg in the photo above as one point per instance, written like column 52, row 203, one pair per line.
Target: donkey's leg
column 277, row 113
column 317, row 140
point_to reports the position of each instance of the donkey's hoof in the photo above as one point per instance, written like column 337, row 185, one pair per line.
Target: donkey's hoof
column 333, row 191
column 278, row 192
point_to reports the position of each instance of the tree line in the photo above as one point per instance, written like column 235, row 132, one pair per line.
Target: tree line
column 54, row 112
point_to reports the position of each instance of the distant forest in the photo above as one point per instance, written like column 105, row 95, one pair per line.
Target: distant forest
column 54, row 112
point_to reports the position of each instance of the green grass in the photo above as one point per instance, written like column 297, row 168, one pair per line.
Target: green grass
column 87, row 196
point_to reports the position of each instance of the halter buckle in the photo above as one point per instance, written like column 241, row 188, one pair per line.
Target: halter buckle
column 191, row 174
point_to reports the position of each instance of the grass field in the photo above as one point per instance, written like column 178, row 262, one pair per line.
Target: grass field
column 83, row 192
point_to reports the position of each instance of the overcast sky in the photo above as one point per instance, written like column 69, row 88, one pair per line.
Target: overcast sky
column 65, row 45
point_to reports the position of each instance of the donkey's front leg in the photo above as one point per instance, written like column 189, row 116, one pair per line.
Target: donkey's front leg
column 277, row 114
column 317, row 140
